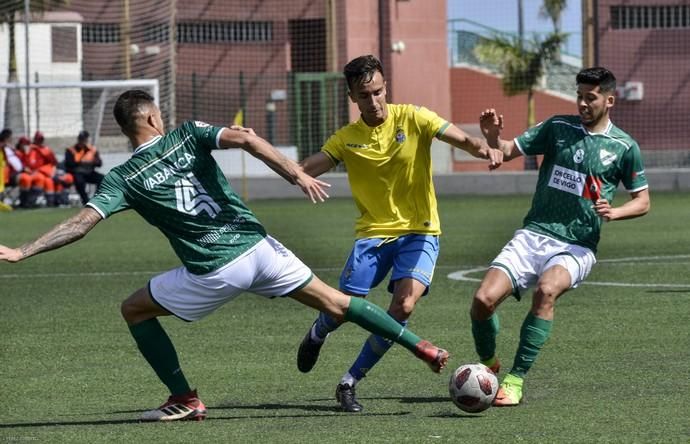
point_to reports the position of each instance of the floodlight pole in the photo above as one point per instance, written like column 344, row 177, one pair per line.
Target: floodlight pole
column 26, row 66
column 589, row 13
column 172, row 60
column 331, row 36
column 127, row 38
column 521, row 19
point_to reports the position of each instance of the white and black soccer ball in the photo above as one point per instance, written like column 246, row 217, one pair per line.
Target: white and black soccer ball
column 473, row 387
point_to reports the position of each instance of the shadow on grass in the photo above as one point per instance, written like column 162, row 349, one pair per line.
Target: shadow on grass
column 401, row 399
column 668, row 291
column 307, row 408
column 214, row 417
column 265, row 406
column 458, row 415
column 68, row 423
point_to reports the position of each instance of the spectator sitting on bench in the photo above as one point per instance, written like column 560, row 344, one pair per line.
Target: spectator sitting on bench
column 8, row 162
column 14, row 160
column 81, row 160
column 41, row 176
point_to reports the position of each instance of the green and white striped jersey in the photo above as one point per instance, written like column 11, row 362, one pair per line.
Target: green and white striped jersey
column 578, row 168
column 174, row 183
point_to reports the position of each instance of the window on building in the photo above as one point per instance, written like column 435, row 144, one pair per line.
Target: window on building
column 650, row 17
column 223, row 32
column 156, row 32
column 100, row 33
column 64, row 44
column 308, row 45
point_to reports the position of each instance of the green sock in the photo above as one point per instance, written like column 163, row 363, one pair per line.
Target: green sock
column 533, row 334
column 374, row 319
column 160, row 353
column 484, row 334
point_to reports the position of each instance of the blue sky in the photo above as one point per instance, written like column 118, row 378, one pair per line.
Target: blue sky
column 502, row 15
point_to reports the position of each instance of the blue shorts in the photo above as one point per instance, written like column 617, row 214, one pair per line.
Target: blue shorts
column 410, row 256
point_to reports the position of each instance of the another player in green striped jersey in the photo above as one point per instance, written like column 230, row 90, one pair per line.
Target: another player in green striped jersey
column 174, row 183
column 585, row 157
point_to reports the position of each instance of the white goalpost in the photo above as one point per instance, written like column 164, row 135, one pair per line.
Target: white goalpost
column 61, row 109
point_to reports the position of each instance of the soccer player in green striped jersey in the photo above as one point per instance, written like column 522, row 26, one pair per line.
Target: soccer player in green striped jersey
column 174, row 183
column 585, row 157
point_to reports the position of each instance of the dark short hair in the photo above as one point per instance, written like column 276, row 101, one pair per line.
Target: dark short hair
column 128, row 105
column 361, row 70
column 83, row 135
column 597, row 76
column 5, row 134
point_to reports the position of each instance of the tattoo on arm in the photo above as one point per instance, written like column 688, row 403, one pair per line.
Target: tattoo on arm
column 64, row 233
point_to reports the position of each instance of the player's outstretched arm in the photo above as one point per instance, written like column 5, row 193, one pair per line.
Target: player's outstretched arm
column 491, row 125
column 473, row 145
column 286, row 168
column 64, row 233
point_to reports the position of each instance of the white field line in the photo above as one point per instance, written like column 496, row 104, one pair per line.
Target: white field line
column 645, row 258
column 78, row 274
column 462, row 275
column 109, row 273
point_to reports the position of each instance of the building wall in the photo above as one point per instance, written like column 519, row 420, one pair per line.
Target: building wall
column 202, row 80
column 660, row 59
column 209, row 78
column 360, row 29
column 419, row 73
column 49, row 103
column 472, row 91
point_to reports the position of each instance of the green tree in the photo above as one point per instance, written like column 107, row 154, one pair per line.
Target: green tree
column 522, row 63
column 553, row 9
column 9, row 11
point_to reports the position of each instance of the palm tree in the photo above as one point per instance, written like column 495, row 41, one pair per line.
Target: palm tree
column 553, row 10
column 522, row 63
column 8, row 12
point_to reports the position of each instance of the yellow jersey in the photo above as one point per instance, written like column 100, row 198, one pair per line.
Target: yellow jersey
column 389, row 170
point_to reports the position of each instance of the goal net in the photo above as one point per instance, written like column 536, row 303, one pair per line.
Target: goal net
column 61, row 110
column 276, row 66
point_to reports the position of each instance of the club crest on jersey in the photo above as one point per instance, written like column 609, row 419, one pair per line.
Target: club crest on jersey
column 579, row 155
column 400, row 136
column 606, row 157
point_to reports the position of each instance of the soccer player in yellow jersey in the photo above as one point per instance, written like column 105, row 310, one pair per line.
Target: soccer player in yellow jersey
column 387, row 154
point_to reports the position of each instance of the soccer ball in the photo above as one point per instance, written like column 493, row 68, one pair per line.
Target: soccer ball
column 473, row 387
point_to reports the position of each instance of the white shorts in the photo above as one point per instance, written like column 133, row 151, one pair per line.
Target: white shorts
column 269, row 269
column 528, row 255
